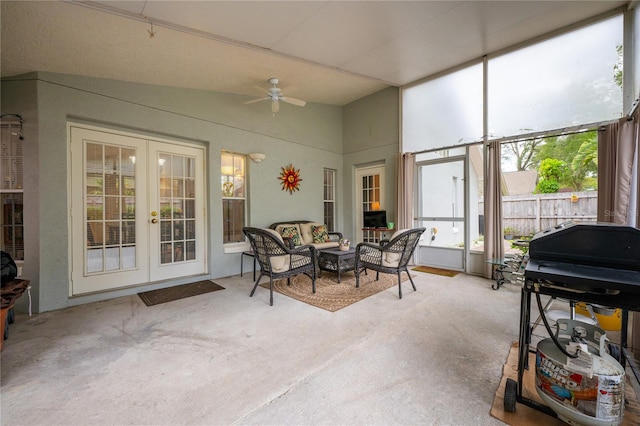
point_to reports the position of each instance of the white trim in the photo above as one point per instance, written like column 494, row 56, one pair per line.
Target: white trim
column 236, row 247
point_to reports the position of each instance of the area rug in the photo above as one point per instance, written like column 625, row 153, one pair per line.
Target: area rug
column 164, row 295
column 331, row 295
column 527, row 416
column 436, row 271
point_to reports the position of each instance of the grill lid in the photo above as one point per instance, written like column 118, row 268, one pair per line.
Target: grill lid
column 603, row 245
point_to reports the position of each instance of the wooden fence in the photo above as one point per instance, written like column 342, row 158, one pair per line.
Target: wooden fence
column 528, row 214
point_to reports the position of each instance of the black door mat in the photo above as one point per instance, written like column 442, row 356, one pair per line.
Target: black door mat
column 164, row 295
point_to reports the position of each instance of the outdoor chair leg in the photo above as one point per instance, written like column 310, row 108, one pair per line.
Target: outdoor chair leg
column 399, row 285
column 411, row 279
column 255, row 286
column 271, row 291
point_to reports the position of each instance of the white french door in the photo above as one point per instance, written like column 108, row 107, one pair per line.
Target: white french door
column 137, row 210
column 369, row 196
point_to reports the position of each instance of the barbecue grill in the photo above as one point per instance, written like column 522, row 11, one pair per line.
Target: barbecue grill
column 597, row 263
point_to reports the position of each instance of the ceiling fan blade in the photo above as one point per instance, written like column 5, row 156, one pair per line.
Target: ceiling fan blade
column 293, row 101
column 253, row 101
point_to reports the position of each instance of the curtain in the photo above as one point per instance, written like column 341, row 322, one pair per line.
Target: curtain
column 616, row 154
column 637, row 168
column 406, row 164
column 493, row 238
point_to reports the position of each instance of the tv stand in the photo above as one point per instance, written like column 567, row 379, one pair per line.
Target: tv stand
column 374, row 235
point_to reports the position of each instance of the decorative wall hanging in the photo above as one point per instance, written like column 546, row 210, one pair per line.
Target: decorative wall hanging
column 290, row 177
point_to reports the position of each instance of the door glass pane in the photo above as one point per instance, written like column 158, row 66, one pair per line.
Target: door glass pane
column 371, row 200
column 109, row 187
column 177, row 202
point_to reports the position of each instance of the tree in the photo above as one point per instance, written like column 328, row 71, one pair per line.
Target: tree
column 585, row 163
column 550, row 172
column 524, row 153
column 580, row 154
column 618, row 67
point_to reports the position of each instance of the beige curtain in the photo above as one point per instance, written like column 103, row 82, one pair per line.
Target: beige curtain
column 616, row 152
column 493, row 238
column 405, row 165
column 637, row 121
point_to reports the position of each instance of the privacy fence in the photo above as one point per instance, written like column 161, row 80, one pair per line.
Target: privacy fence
column 527, row 214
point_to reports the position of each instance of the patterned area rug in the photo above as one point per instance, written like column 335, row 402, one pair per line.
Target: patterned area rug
column 331, row 295
column 164, row 295
column 436, row 271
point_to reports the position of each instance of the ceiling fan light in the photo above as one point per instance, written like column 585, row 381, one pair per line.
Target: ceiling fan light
column 275, row 106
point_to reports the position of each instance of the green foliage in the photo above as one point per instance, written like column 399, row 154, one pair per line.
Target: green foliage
column 618, row 67
column 547, row 186
column 550, row 171
column 580, row 153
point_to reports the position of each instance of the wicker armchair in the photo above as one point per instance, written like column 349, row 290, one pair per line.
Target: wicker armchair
column 278, row 261
column 389, row 257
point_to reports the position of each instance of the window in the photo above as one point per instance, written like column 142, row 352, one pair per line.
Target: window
column 330, row 198
column 443, row 112
column 563, row 82
column 234, row 197
column 547, row 181
column 11, row 190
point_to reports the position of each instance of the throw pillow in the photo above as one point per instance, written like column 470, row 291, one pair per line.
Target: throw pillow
column 292, row 232
column 320, row 234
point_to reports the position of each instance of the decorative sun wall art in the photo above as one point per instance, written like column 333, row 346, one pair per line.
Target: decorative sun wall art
column 290, row 177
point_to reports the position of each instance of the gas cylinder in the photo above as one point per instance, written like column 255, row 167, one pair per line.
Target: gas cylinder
column 587, row 390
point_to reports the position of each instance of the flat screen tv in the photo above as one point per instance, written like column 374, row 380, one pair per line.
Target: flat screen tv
column 375, row 219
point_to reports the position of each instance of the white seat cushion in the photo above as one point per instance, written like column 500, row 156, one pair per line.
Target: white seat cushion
column 392, row 260
column 279, row 263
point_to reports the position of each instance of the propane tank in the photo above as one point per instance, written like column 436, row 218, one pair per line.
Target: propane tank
column 587, row 390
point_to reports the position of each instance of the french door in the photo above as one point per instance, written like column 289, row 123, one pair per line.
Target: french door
column 369, row 197
column 137, row 210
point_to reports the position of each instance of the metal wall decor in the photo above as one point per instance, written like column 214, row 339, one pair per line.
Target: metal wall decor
column 290, row 177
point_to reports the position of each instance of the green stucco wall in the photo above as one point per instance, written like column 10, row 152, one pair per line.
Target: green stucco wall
column 311, row 138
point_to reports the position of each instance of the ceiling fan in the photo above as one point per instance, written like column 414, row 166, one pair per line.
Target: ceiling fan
column 275, row 95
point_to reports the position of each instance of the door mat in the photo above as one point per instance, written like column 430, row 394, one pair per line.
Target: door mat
column 333, row 296
column 436, row 271
column 164, row 295
column 527, row 416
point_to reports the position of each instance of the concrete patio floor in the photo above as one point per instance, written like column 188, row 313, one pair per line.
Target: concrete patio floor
column 434, row 357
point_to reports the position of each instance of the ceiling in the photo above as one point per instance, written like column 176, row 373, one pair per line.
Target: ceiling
column 330, row 52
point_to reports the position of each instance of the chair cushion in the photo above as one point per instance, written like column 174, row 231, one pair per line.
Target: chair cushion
column 327, row 245
column 392, row 259
column 292, row 232
column 306, row 231
column 320, row 234
column 279, row 263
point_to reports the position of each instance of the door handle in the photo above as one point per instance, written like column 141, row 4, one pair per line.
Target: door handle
column 154, row 220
